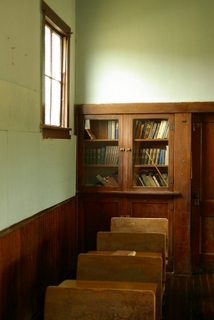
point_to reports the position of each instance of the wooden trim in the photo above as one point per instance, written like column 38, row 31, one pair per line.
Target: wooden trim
column 52, row 16
column 49, row 131
column 136, row 108
column 26, row 221
column 55, row 132
column 132, row 193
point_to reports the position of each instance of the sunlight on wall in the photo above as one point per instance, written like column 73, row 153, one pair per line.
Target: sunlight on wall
column 144, row 51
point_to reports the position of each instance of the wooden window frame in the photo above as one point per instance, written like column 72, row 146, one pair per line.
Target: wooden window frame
column 52, row 19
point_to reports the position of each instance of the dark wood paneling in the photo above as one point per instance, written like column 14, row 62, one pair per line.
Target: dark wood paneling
column 34, row 254
column 97, row 212
column 182, row 179
column 155, row 207
column 203, row 194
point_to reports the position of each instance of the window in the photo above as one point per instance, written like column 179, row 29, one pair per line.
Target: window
column 55, row 75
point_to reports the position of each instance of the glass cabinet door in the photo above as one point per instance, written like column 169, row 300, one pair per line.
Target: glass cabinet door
column 101, row 152
column 151, row 152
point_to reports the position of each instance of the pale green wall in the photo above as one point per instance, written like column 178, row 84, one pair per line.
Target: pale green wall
column 144, row 50
column 34, row 173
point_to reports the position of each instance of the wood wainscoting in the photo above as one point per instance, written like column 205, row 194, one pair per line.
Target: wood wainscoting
column 35, row 253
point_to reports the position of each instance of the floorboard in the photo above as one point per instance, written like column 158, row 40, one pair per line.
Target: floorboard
column 189, row 297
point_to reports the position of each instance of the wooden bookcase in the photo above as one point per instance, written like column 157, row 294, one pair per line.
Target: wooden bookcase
column 126, row 153
column 115, row 129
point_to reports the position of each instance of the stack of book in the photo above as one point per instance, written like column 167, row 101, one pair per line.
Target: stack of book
column 150, row 179
column 151, row 156
column 151, row 129
column 107, row 155
column 108, row 181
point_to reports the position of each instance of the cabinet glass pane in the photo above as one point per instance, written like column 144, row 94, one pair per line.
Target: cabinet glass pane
column 101, row 153
column 150, row 152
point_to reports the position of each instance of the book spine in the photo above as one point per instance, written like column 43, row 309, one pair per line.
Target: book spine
column 117, row 130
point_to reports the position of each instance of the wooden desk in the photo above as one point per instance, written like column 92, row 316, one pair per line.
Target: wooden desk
column 131, row 224
column 137, row 241
column 100, row 300
column 104, row 266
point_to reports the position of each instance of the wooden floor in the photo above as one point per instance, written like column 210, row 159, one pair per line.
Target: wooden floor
column 189, row 297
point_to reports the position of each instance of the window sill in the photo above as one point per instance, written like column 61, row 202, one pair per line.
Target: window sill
column 54, row 132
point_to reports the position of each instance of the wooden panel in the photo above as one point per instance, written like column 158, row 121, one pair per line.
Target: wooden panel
column 149, row 210
column 182, row 183
column 207, row 232
column 147, row 206
column 96, row 212
column 207, row 172
column 34, row 254
column 203, row 194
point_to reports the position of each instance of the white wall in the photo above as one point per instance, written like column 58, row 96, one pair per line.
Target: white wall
column 34, row 173
column 144, row 51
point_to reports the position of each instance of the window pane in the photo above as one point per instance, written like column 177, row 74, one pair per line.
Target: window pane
column 56, row 56
column 55, row 110
column 47, row 100
column 47, row 50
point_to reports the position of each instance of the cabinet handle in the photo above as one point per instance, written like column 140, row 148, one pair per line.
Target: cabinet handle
column 122, row 149
column 128, row 149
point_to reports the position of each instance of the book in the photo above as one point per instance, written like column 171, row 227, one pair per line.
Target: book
column 156, row 131
column 160, row 160
column 124, row 253
column 160, row 180
column 107, row 155
column 157, row 156
column 94, row 156
column 111, row 181
column 165, row 133
column 148, row 128
column 115, row 177
column 102, row 155
column 142, row 156
column 161, row 129
column 151, row 124
column 136, row 129
column 156, row 181
column 146, row 180
column 113, row 127
column 139, row 180
column 86, row 154
column 98, row 155
column 102, row 180
column 167, row 156
column 144, row 129
column 139, row 134
column 151, row 180
column 91, row 135
column 87, row 124
column 150, row 160
column 117, row 130
column 152, row 131
column 109, row 129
